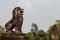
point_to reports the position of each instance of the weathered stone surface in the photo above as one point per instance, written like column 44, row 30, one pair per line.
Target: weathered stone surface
column 0, row 37
column 13, row 34
column 14, row 38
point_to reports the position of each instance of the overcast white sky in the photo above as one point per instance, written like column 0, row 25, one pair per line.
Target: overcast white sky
column 42, row 12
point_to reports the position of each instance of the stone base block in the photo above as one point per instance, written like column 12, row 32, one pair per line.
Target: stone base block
column 13, row 34
column 15, row 38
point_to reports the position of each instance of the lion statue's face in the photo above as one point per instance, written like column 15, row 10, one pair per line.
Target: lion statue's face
column 20, row 12
column 17, row 11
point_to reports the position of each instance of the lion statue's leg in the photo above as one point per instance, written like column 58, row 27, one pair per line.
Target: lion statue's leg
column 8, row 25
column 18, row 27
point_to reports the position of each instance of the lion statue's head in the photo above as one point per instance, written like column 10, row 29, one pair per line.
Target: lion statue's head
column 17, row 11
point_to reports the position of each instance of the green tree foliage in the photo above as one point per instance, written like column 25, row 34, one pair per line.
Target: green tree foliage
column 1, row 30
column 49, row 31
column 34, row 29
column 50, row 27
column 57, row 21
column 58, row 24
column 37, row 38
column 32, row 37
column 58, row 28
column 29, row 35
column 37, row 34
column 43, row 35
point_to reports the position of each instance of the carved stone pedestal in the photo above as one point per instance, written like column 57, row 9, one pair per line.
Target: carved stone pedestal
column 14, row 36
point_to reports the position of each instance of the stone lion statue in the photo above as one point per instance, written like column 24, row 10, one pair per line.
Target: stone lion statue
column 16, row 21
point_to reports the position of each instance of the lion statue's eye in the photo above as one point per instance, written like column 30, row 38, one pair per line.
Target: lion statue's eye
column 18, row 11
